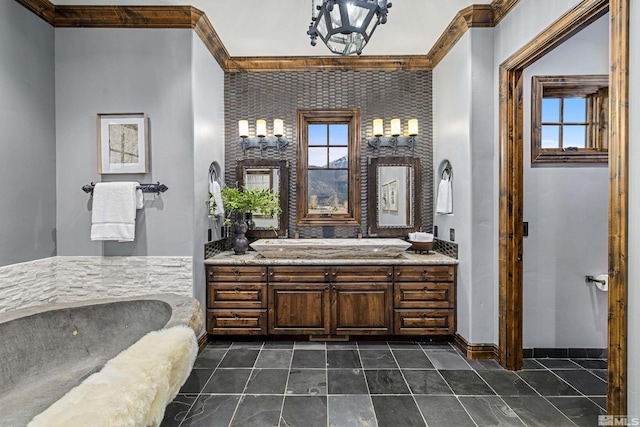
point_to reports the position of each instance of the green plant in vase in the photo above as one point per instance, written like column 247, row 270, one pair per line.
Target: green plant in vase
column 242, row 204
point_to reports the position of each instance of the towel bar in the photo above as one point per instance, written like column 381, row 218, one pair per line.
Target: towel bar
column 146, row 188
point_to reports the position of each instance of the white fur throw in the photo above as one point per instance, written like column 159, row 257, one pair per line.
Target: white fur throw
column 133, row 389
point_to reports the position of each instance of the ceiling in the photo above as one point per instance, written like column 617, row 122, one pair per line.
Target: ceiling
column 279, row 27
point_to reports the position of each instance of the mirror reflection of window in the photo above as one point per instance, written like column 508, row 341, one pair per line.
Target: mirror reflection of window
column 395, row 197
column 263, row 179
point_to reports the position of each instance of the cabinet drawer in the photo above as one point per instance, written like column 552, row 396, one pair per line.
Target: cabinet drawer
column 424, row 295
column 424, row 322
column 297, row 274
column 431, row 273
column 320, row 274
column 236, row 274
column 237, row 322
column 237, row 295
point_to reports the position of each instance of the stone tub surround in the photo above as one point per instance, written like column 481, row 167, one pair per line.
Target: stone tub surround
column 67, row 278
column 28, row 283
column 407, row 258
column 50, row 349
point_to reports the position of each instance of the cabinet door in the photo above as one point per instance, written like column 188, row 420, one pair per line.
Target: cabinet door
column 301, row 308
column 361, row 309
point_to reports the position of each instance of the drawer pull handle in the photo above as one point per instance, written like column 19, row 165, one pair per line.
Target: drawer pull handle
column 262, row 274
column 211, row 274
column 326, row 273
column 398, row 273
column 424, row 272
column 389, row 274
column 326, row 288
column 450, row 274
column 237, row 289
column 334, row 274
column 424, row 316
column 271, row 274
column 236, row 316
column 425, row 289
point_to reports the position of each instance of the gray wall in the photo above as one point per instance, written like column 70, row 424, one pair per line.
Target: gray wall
column 633, row 336
column 566, row 206
column 463, row 135
column 117, row 71
column 208, row 130
column 27, row 136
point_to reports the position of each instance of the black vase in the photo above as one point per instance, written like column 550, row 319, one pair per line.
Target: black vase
column 240, row 242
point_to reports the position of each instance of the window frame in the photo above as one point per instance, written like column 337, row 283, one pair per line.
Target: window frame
column 579, row 86
column 351, row 117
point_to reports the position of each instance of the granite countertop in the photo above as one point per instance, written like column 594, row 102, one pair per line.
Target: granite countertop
column 407, row 258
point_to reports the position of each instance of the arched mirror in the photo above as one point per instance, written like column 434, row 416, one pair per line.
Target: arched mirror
column 265, row 174
column 394, row 189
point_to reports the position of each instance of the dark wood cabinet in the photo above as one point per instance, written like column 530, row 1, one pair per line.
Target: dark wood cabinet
column 236, row 300
column 424, row 300
column 336, row 300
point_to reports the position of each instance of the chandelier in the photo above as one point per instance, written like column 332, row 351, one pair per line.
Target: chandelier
column 346, row 26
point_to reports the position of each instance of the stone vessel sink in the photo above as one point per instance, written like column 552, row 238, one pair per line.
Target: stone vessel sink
column 330, row 248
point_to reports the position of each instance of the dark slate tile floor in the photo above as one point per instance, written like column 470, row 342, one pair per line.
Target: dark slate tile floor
column 395, row 384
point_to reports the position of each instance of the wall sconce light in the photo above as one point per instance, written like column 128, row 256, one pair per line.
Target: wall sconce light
column 261, row 140
column 396, row 139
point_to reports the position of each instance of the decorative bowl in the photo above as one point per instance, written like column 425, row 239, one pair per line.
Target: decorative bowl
column 421, row 246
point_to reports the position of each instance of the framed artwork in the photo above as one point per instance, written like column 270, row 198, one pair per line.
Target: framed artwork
column 123, row 145
column 384, row 196
column 393, row 195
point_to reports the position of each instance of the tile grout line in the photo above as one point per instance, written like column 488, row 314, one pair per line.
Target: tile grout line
column 539, row 394
column 407, row 383
column 286, row 384
column 364, row 374
column 242, row 394
column 453, row 393
column 204, row 385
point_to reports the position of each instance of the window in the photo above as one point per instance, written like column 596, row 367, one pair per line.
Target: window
column 569, row 116
column 328, row 167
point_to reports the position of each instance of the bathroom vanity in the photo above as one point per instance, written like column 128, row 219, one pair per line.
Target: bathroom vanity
column 331, row 298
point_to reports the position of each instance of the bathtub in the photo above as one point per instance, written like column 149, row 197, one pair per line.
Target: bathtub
column 47, row 350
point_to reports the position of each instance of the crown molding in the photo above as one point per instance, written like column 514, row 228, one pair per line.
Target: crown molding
column 500, row 8
column 42, row 8
column 475, row 16
column 327, row 63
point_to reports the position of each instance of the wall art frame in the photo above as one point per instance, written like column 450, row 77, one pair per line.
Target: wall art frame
column 123, row 143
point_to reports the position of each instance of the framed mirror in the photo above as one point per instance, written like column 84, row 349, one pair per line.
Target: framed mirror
column 394, row 196
column 266, row 174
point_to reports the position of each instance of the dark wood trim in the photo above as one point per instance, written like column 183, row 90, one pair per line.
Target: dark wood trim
column 344, row 115
column 618, row 205
column 203, row 341
column 510, row 210
column 470, row 17
column 500, row 8
column 475, row 351
column 190, row 17
column 573, row 85
column 203, row 28
column 123, row 16
column 327, row 63
column 42, row 8
column 372, row 195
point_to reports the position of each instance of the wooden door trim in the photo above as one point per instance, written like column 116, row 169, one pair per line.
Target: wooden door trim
column 511, row 186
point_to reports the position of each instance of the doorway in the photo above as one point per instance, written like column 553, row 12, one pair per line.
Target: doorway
column 511, row 122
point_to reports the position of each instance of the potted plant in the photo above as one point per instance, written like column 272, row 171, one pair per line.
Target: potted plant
column 242, row 204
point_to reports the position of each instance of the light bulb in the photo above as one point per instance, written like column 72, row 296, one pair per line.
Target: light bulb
column 243, row 128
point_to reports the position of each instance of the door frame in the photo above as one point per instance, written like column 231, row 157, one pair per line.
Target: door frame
column 510, row 240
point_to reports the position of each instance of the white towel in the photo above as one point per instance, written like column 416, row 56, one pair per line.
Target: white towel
column 444, row 204
column 113, row 216
column 216, row 198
